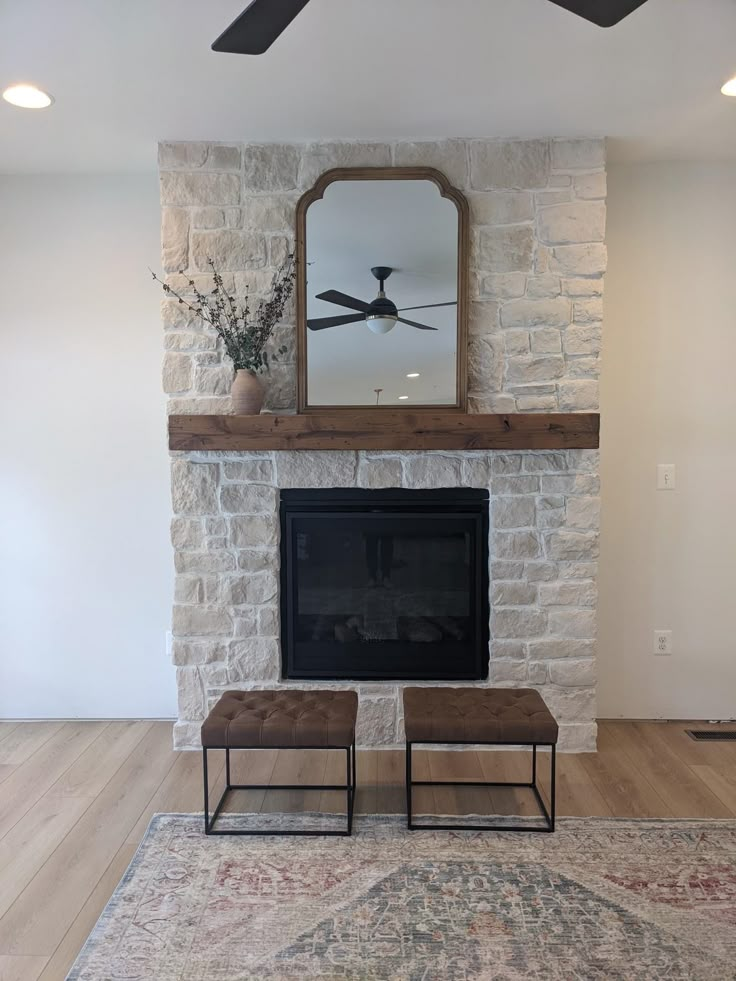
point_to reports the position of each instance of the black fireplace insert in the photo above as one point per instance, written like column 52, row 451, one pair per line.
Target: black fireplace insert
column 384, row 584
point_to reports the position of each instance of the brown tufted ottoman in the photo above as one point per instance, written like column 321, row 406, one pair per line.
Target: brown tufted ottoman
column 285, row 719
column 480, row 716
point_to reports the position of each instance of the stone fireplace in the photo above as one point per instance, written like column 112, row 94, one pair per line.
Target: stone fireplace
column 537, row 265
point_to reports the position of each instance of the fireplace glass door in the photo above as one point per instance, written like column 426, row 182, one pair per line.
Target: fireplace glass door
column 385, row 584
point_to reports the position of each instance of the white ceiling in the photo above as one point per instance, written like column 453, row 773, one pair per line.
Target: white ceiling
column 126, row 73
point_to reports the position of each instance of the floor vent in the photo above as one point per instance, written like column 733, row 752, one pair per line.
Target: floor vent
column 712, row 735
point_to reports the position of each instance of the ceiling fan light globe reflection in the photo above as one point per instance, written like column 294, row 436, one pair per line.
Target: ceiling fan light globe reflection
column 380, row 325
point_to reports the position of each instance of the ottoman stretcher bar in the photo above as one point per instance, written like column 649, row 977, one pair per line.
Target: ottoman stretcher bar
column 287, row 719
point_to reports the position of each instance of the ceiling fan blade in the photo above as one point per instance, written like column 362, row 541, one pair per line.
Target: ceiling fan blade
column 604, row 13
column 343, row 300
column 255, row 30
column 427, row 306
column 322, row 322
column 413, row 323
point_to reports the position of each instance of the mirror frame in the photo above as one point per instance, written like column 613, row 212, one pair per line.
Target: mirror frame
column 446, row 190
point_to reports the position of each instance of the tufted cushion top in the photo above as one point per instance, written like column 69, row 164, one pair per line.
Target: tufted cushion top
column 468, row 715
column 285, row 718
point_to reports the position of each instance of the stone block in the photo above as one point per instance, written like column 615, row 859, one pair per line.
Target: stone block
column 174, row 239
column 577, row 738
column 544, row 287
column 506, row 248
column 377, row 722
column 207, row 218
column 194, row 487
column 508, row 649
column 579, row 260
column 570, row 706
column 514, row 594
column 546, row 340
column 501, row 207
column 582, row 594
column 516, row 545
column 540, row 403
column 534, row 369
column 584, row 512
column 578, row 624
column 269, row 623
column 198, row 621
column 504, row 672
column 270, row 213
column 543, row 462
column 192, row 652
column 256, row 659
column 555, row 312
column 503, row 286
column 249, row 498
column 579, row 396
column 229, row 249
column 583, row 340
column 189, row 342
column 254, row 531
column 590, row 186
column 503, row 464
column 536, row 673
column 249, row 471
column 317, row 158
column 198, row 156
column 191, row 693
column 514, row 512
column 187, row 735
column 518, row 623
column 578, row 154
column 507, row 164
column 578, row 221
column 450, row 157
column 214, row 381
column 204, row 563
column 270, row 167
column 506, row 569
column 572, row 673
column 571, row 484
column 187, row 533
column 177, row 374
column 514, row 485
column 553, row 649
column 476, row 471
column 483, row 318
column 582, row 287
column 572, row 545
column 485, row 364
column 280, row 383
column 320, row 468
column 588, row 311
column 377, row 473
column 584, row 367
column 251, row 590
column 200, row 189
column 516, row 342
column 258, row 560
column 432, row 470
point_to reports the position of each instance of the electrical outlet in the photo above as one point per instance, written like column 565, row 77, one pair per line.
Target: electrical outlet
column 665, row 476
column 662, row 642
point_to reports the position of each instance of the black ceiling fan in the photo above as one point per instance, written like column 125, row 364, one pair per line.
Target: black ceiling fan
column 380, row 316
column 262, row 21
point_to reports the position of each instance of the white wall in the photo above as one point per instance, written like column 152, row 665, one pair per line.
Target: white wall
column 86, row 569
column 668, row 559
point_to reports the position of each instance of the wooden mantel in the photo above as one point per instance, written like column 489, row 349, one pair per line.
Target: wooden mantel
column 386, row 430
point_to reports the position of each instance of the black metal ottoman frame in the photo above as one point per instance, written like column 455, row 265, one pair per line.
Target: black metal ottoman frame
column 348, row 787
column 548, row 815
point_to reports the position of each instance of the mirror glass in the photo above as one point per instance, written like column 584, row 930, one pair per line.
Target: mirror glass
column 382, row 309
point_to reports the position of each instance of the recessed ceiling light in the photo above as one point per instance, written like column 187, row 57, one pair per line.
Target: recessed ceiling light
column 413, row 374
column 27, row 97
column 730, row 87
column 402, row 397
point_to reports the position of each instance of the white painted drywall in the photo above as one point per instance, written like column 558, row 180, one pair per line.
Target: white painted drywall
column 668, row 559
column 86, row 570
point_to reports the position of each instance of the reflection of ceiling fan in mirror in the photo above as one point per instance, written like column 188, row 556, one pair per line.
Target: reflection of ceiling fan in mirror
column 262, row 21
column 381, row 315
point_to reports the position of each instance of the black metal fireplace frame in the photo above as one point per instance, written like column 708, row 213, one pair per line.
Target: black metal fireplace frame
column 470, row 503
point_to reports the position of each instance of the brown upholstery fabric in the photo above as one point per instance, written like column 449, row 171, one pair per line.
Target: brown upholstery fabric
column 468, row 715
column 243, row 719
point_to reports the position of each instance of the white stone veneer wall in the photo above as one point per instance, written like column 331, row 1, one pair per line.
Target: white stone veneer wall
column 537, row 259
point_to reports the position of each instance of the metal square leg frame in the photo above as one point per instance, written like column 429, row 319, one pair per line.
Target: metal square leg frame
column 549, row 816
column 348, row 787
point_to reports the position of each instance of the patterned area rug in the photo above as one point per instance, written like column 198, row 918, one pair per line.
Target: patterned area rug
column 599, row 899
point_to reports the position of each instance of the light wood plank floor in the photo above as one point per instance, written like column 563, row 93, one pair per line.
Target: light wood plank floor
column 76, row 797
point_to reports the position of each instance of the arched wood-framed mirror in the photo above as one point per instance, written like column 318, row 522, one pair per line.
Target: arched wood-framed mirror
column 382, row 291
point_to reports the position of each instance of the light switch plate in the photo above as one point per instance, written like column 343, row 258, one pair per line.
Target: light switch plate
column 665, row 476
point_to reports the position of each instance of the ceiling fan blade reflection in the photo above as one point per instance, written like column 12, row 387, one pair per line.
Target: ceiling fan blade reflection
column 413, row 323
column 604, row 13
column 343, row 300
column 255, row 30
column 428, row 306
column 322, row 322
